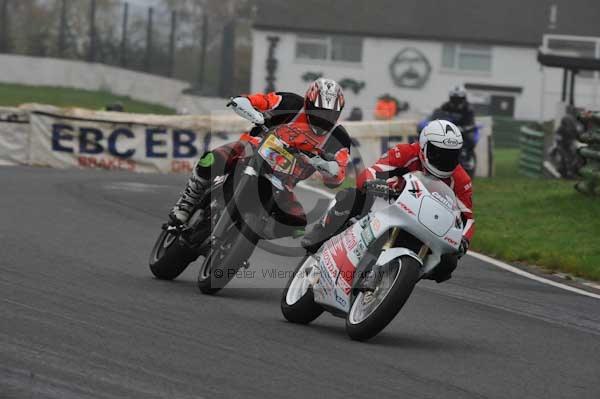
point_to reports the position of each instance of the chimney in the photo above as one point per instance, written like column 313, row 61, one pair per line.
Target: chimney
column 553, row 20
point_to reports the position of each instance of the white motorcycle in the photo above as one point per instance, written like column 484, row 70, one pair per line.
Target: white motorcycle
column 366, row 273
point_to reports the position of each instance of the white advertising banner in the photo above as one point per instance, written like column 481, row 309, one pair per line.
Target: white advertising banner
column 64, row 138
column 14, row 136
column 118, row 141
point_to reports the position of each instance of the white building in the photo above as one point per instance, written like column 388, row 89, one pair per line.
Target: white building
column 416, row 50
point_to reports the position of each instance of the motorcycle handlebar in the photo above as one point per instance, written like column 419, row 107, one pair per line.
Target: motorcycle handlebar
column 326, row 156
column 380, row 188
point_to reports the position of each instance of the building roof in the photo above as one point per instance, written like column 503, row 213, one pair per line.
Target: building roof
column 509, row 22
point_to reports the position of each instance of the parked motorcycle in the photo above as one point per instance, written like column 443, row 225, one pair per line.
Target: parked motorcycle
column 366, row 273
column 564, row 158
column 234, row 214
column 471, row 134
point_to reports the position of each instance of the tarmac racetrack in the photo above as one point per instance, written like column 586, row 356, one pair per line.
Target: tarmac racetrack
column 82, row 317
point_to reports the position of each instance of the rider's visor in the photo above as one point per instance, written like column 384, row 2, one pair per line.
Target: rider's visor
column 443, row 159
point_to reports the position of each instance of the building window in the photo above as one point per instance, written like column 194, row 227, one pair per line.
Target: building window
column 329, row 48
column 463, row 57
column 311, row 48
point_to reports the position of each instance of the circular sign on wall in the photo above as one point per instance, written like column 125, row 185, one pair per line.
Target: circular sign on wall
column 410, row 69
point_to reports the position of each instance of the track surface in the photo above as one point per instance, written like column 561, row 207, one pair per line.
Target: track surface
column 81, row 316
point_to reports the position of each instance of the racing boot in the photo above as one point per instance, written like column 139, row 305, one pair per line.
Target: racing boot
column 190, row 197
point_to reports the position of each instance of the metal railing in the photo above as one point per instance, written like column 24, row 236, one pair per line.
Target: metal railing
column 531, row 159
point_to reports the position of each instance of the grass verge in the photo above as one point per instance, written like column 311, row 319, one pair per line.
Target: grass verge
column 536, row 221
column 12, row 95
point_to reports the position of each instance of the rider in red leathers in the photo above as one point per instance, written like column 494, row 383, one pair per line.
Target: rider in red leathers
column 307, row 123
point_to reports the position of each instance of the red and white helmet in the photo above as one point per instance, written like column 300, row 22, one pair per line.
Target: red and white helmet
column 323, row 103
column 440, row 142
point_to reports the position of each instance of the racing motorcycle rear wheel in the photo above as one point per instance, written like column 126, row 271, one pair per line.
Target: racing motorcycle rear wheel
column 297, row 302
column 371, row 311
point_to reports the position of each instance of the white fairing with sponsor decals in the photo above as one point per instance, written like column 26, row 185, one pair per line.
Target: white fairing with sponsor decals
column 427, row 209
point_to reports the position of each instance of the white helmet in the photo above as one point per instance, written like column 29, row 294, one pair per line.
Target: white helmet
column 440, row 143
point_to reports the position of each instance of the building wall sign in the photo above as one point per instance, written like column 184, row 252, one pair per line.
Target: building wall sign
column 410, row 69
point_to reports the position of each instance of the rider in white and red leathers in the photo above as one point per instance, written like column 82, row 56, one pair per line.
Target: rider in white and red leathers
column 437, row 153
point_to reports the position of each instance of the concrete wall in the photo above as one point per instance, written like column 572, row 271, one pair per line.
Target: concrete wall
column 511, row 66
column 92, row 76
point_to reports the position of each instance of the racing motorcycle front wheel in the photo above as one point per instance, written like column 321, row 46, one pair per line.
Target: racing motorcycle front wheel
column 224, row 259
column 169, row 257
column 297, row 302
column 371, row 311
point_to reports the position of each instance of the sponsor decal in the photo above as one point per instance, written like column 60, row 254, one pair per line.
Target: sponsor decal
column 364, row 222
column 375, row 224
column 451, row 241
column 341, row 261
column 329, row 264
column 445, row 201
column 107, row 163
column 344, row 284
column 406, row 209
column 94, row 141
column 450, row 141
column 339, row 299
column 415, row 189
column 349, row 240
column 367, row 236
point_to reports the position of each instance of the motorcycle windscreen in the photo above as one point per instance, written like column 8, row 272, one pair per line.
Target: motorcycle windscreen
column 437, row 189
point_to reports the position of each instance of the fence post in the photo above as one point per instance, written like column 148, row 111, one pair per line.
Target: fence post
column 92, row 53
column 124, row 35
column 203, row 46
column 62, row 30
column 4, row 39
column 172, row 43
column 148, row 57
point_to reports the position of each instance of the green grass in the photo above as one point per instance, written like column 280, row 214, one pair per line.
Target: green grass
column 14, row 95
column 536, row 221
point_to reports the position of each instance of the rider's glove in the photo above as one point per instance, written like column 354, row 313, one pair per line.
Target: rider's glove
column 244, row 108
column 464, row 247
column 330, row 167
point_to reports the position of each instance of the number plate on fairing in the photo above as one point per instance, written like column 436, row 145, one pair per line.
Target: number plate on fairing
column 274, row 153
column 435, row 217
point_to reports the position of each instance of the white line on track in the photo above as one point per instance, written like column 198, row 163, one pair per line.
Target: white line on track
column 485, row 258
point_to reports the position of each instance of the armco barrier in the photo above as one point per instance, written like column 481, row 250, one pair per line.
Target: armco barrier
column 65, row 138
column 532, row 152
